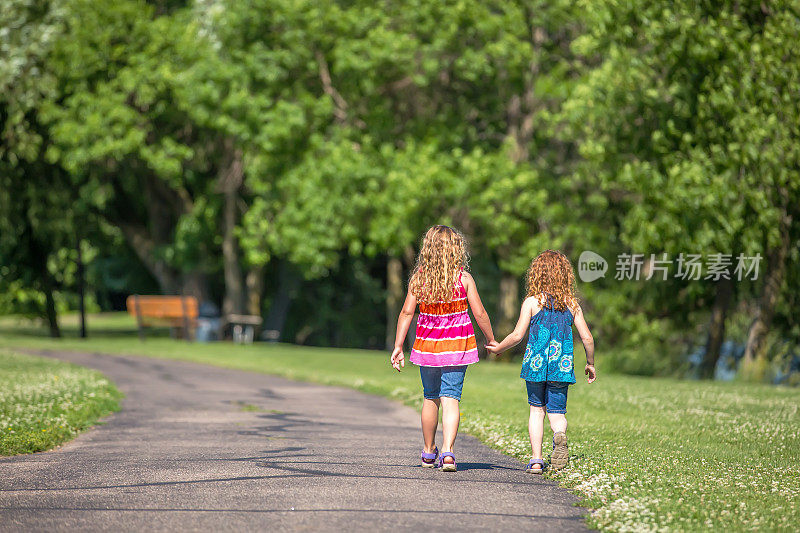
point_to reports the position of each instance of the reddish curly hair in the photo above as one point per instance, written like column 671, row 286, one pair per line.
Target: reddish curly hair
column 551, row 274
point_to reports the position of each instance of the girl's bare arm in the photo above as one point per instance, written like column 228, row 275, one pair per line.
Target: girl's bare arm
column 398, row 359
column 513, row 338
column 588, row 343
column 478, row 311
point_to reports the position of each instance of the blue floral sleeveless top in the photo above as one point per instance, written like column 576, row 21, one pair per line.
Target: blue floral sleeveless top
column 549, row 354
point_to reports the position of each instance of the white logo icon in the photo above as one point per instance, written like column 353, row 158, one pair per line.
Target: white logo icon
column 591, row 266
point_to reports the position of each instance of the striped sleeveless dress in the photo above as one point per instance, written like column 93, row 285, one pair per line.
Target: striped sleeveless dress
column 445, row 336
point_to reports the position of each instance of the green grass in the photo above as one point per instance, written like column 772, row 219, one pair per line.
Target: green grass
column 647, row 453
column 45, row 402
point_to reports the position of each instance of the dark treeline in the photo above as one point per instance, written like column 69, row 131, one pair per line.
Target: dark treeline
column 282, row 158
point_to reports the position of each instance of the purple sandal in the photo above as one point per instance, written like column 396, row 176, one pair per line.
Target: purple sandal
column 447, row 467
column 429, row 459
column 531, row 470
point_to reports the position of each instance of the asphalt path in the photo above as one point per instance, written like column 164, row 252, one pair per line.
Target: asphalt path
column 197, row 447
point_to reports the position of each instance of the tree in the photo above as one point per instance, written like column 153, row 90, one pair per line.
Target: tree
column 404, row 86
column 154, row 135
column 679, row 123
column 34, row 221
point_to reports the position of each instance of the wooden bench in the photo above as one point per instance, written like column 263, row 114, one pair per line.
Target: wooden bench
column 179, row 312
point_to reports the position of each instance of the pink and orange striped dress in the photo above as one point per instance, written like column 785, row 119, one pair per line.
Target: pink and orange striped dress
column 445, row 336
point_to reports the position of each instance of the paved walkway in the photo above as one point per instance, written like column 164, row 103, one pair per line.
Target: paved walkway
column 183, row 455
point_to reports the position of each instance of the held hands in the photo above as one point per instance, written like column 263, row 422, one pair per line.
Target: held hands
column 398, row 359
column 492, row 346
column 590, row 373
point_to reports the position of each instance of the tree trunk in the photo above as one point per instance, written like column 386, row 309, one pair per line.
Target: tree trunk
column 47, row 285
column 164, row 205
column 81, row 290
column 754, row 364
column 38, row 255
column 508, row 305
column 38, row 258
column 716, row 329
column 288, row 283
column 169, row 280
column 195, row 284
column 409, row 260
column 143, row 246
column 230, row 181
column 233, row 301
column 50, row 310
column 255, row 290
column 394, row 297
column 522, row 108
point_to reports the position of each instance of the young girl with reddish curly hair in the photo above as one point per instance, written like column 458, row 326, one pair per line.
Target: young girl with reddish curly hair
column 445, row 342
column 547, row 314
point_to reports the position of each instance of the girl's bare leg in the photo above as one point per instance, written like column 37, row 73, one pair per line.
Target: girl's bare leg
column 451, row 416
column 558, row 422
column 430, row 421
column 536, row 430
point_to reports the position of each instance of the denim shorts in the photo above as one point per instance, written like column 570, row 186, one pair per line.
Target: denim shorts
column 442, row 381
column 550, row 394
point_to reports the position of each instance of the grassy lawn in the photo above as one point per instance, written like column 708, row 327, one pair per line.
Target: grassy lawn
column 45, row 402
column 646, row 453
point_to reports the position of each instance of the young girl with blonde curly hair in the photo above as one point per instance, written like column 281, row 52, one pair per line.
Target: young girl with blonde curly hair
column 547, row 314
column 445, row 340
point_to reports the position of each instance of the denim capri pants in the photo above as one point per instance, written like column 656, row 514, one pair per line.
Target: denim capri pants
column 550, row 394
column 442, row 381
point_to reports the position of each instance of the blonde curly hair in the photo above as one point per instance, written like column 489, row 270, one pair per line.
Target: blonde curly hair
column 441, row 259
column 551, row 274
